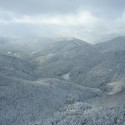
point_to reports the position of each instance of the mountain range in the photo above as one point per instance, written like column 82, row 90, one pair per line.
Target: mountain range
column 63, row 81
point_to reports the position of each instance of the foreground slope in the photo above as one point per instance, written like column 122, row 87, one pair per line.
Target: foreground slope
column 24, row 102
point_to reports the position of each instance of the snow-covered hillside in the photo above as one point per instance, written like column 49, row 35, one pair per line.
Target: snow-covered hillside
column 23, row 102
column 64, row 81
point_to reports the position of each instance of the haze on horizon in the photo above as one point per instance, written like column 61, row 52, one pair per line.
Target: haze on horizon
column 90, row 20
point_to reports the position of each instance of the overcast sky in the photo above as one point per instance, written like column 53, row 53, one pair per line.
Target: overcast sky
column 89, row 20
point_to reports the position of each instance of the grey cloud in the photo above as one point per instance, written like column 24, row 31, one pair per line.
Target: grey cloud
column 100, row 21
column 106, row 8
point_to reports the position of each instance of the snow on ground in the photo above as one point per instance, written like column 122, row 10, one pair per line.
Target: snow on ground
column 27, row 100
column 115, row 87
column 66, row 76
column 81, row 113
column 77, row 43
column 26, row 103
column 9, row 52
column 42, row 59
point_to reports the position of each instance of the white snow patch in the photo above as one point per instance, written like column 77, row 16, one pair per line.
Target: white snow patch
column 77, row 43
column 42, row 59
column 116, row 87
column 66, row 76
column 9, row 52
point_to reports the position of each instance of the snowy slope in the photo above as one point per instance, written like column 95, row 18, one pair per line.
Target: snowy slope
column 16, row 67
column 115, row 44
column 23, row 102
column 69, row 82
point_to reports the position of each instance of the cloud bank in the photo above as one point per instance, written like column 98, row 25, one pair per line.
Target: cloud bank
column 85, row 19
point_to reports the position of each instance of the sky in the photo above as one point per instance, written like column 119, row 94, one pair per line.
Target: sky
column 90, row 20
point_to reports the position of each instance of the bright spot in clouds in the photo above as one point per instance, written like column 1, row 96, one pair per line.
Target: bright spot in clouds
column 80, row 18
